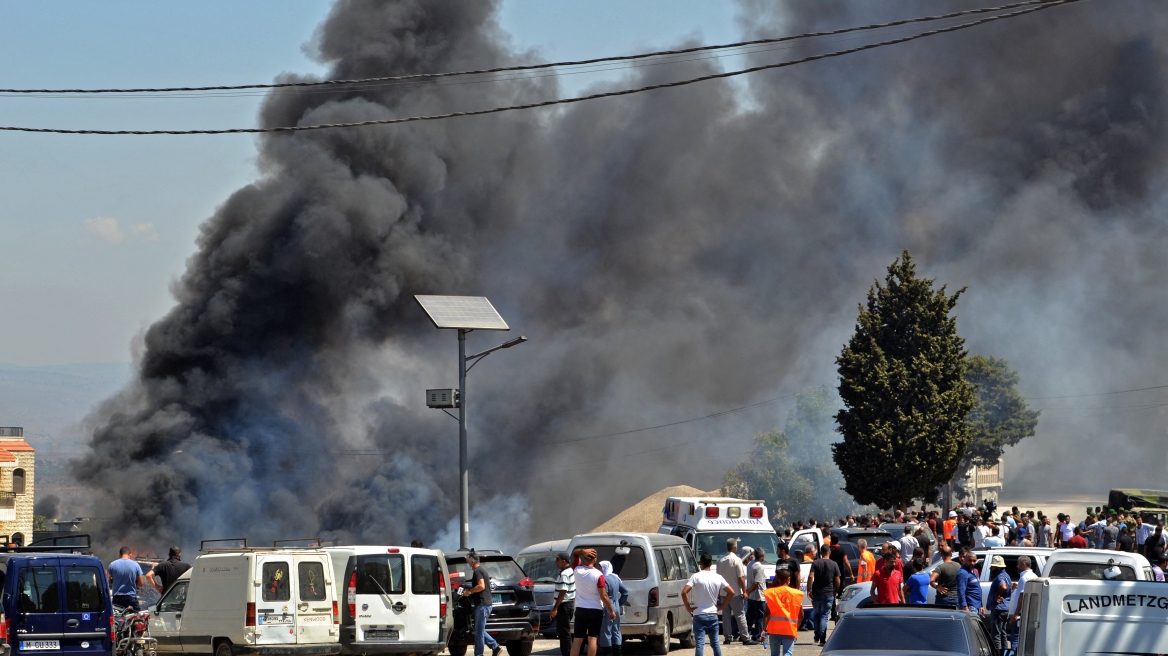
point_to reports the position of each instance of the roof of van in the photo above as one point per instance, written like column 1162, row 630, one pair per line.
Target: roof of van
column 1096, row 556
column 652, row 538
column 554, row 545
column 362, row 549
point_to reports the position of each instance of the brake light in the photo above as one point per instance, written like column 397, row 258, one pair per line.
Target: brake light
column 393, row 550
column 654, row 598
column 113, row 631
column 711, row 511
column 527, row 584
column 336, row 613
column 249, row 618
column 351, row 599
column 756, row 511
column 442, row 592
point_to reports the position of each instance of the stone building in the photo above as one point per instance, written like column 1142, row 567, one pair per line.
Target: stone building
column 17, row 465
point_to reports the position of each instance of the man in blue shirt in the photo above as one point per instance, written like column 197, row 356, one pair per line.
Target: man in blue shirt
column 998, row 604
column 125, row 576
column 969, row 584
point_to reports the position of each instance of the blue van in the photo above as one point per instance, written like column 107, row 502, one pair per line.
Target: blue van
column 54, row 604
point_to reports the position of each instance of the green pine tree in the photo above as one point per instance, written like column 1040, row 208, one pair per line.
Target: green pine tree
column 902, row 381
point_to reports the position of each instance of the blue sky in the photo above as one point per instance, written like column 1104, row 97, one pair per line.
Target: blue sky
column 93, row 230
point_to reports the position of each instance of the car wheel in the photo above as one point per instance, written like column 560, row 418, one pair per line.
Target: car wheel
column 660, row 644
column 520, row 647
column 224, row 649
column 455, row 650
column 689, row 640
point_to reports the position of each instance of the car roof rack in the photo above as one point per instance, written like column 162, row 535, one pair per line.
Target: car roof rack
column 240, row 544
column 276, row 543
column 52, row 545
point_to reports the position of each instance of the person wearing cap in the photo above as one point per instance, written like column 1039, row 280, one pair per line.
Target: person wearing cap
column 565, row 606
column 997, row 603
column 950, row 527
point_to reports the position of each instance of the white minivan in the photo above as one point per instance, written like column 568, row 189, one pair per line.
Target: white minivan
column 1080, row 617
column 394, row 599
column 270, row 602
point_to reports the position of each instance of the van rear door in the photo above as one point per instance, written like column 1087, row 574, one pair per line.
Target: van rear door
column 86, row 626
column 380, row 597
column 37, row 625
column 275, row 609
column 314, row 600
column 424, row 599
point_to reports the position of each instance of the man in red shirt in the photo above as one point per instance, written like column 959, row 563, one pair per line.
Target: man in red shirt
column 890, row 551
column 1077, row 541
column 887, row 581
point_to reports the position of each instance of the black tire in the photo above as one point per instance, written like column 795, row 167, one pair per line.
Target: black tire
column 660, row 644
column 455, row 650
column 520, row 647
column 224, row 649
column 689, row 640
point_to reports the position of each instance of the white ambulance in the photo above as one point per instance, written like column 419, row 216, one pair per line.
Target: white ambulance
column 707, row 522
column 1076, row 617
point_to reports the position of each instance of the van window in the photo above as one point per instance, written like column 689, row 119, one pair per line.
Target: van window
column 381, row 574
column 37, row 587
column 633, row 566
column 1030, row 619
column 679, row 560
column 541, row 567
column 311, row 580
column 1093, row 571
column 691, row 564
column 83, row 590
column 424, row 570
column 175, row 600
column 668, row 566
column 275, row 578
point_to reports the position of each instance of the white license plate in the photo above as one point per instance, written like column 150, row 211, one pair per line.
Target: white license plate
column 275, row 619
column 39, row 645
column 381, row 634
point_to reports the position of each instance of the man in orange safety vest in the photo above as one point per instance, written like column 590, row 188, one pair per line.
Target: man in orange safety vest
column 950, row 527
column 784, row 613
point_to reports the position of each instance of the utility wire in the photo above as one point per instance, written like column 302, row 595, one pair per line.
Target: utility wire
column 531, row 67
column 563, row 101
column 1083, row 396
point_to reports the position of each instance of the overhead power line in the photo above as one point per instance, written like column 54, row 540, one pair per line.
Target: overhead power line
column 1083, row 396
column 562, row 101
column 533, row 67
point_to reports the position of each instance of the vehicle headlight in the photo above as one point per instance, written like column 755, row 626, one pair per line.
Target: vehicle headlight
column 852, row 591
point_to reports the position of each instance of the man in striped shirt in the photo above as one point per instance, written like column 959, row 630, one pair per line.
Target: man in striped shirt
column 565, row 603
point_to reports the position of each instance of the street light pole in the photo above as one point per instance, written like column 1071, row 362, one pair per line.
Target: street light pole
column 463, row 476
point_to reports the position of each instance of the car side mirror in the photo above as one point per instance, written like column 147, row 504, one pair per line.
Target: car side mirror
column 153, row 610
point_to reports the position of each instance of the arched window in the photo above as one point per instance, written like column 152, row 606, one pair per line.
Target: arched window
column 18, row 539
column 18, row 481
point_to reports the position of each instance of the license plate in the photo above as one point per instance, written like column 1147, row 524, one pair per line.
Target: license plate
column 496, row 599
column 275, row 619
column 381, row 634
column 39, row 645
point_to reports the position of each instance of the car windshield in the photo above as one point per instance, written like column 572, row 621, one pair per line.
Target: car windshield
column 630, row 567
column 541, row 567
column 888, row 633
column 499, row 568
column 1093, row 571
column 715, row 543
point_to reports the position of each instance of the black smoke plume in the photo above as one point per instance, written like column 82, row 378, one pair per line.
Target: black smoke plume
column 668, row 254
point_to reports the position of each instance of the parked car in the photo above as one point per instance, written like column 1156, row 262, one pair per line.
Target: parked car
column 1095, row 563
column 395, row 599
column 654, row 567
column 1077, row 617
column 538, row 562
column 898, row 530
column 514, row 620
column 236, row 601
column 905, row 629
column 858, row 595
column 56, row 602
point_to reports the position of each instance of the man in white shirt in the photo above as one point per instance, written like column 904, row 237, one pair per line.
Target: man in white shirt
column 592, row 602
column 706, row 587
column 994, row 540
column 1024, row 575
column 980, row 534
column 908, row 544
column 731, row 569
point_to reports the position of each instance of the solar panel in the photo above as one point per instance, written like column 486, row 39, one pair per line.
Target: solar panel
column 467, row 312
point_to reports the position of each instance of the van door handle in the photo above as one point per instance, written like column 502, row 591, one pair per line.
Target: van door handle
column 672, row 595
column 73, row 624
column 399, row 606
column 178, row 616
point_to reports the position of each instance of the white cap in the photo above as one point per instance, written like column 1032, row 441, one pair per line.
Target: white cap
column 952, row 513
column 893, row 545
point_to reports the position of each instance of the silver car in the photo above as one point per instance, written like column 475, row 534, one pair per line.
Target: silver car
column 539, row 563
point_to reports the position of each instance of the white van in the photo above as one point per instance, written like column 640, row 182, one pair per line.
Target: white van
column 654, row 568
column 1092, row 563
column 1077, row 617
column 394, row 599
column 705, row 523
column 271, row 602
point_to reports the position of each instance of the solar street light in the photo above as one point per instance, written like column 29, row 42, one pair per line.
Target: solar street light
column 464, row 314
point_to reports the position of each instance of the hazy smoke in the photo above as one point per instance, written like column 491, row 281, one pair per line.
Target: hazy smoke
column 48, row 506
column 668, row 254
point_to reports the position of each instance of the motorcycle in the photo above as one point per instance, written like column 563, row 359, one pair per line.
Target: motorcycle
column 132, row 633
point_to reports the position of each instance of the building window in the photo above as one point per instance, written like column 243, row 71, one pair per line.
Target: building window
column 18, row 481
column 18, row 538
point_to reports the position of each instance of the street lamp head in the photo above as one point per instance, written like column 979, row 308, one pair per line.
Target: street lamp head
column 515, row 342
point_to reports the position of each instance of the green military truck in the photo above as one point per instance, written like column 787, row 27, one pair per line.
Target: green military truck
column 1152, row 505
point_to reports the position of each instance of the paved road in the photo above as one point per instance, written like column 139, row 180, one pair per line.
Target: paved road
column 803, row 647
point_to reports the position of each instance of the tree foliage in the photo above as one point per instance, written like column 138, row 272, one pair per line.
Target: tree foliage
column 902, row 381
column 792, row 469
column 1001, row 417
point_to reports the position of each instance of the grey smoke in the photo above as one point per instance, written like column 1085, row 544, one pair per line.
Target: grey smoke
column 48, row 506
column 668, row 255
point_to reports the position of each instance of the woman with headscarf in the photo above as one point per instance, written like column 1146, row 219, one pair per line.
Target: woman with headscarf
column 609, row 641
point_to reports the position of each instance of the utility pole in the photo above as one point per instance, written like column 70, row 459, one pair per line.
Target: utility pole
column 463, row 475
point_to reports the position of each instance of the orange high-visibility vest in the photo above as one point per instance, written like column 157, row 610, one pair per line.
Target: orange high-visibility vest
column 949, row 524
column 783, row 606
column 867, row 566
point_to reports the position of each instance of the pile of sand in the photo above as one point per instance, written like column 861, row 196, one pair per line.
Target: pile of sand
column 645, row 517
